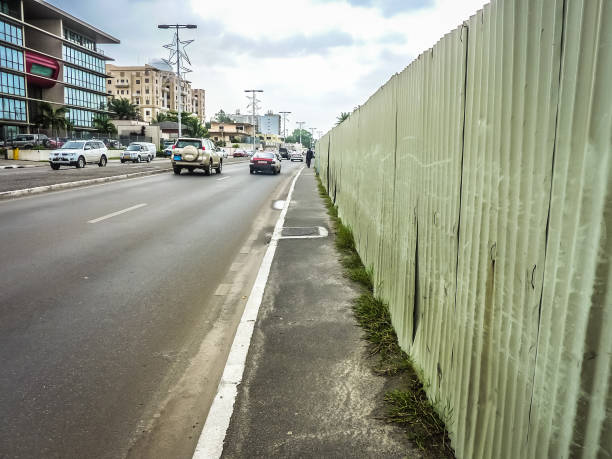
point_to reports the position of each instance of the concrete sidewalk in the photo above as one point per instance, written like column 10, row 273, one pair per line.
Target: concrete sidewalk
column 308, row 389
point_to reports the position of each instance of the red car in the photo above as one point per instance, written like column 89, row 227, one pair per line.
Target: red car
column 54, row 143
column 240, row 154
column 264, row 161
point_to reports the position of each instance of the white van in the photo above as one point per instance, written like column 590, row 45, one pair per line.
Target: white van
column 150, row 147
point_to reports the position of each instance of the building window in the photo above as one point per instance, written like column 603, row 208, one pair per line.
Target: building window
column 11, row 58
column 81, row 118
column 74, row 56
column 12, row 84
column 147, row 91
column 85, row 99
column 11, row 33
column 138, row 91
column 148, row 112
column 109, row 82
column 137, row 81
column 79, row 39
column 12, row 8
column 147, row 103
column 122, row 92
column 11, row 109
column 146, row 80
column 110, row 92
column 84, row 79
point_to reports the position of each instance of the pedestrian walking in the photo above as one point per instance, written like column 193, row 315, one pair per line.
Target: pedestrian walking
column 309, row 156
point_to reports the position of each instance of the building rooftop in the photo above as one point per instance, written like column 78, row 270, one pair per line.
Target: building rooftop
column 39, row 9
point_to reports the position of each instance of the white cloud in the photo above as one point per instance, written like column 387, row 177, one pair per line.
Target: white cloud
column 315, row 58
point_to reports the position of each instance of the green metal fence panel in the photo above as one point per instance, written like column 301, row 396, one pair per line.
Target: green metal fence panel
column 478, row 184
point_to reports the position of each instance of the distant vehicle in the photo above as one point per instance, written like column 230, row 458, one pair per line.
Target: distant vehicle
column 168, row 144
column 135, row 153
column 222, row 153
column 283, row 152
column 29, row 141
column 111, row 143
column 191, row 153
column 150, row 147
column 78, row 153
column 265, row 161
column 55, row 143
column 240, row 154
column 297, row 156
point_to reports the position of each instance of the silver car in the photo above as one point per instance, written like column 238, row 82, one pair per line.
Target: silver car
column 135, row 153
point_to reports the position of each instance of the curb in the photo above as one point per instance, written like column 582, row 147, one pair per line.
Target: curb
column 68, row 185
column 17, row 167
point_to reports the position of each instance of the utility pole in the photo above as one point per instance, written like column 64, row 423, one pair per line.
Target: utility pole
column 300, row 124
column 178, row 57
column 285, row 124
column 311, row 137
column 254, row 104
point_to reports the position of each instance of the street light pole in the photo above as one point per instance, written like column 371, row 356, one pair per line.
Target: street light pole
column 311, row 136
column 254, row 103
column 176, row 53
column 300, row 124
column 285, row 124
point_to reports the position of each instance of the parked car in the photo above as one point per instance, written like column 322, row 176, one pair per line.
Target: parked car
column 284, row 153
column 111, row 143
column 265, row 161
column 79, row 153
column 150, row 147
column 297, row 156
column 191, row 153
column 29, row 141
column 167, row 147
column 135, row 153
column 222, row 153
column 240, row 154
column 55, row 143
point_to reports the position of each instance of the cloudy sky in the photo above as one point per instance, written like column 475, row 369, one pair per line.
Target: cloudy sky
column 315, row 58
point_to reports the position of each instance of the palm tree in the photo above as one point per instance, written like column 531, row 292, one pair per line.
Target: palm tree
column 104, row 125
column 194, row 127
column 123, row 109
column 341, row 117
column 49, row 117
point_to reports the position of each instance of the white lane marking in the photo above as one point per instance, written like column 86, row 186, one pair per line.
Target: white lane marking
column 210, row 443
column 223, row 178
column 322, row 233
column 114, row 214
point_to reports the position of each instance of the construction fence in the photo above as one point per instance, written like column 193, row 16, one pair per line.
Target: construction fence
column 478, row 185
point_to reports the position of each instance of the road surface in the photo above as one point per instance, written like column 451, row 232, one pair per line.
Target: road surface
column 118, row 303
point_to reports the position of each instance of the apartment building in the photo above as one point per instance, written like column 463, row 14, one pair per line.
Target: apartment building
column 269, row 123
column 153, row 90
column 48, row 55
column 231, row 132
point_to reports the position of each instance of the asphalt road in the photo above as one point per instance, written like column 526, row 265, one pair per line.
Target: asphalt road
column 103, row 311
column 30, row 177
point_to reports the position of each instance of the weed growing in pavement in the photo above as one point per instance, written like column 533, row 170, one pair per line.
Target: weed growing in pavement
column 410, row 406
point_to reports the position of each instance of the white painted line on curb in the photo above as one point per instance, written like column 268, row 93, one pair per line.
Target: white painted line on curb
column 322, row 232
column 210, row 443
column 223, row 178
column 119, row 212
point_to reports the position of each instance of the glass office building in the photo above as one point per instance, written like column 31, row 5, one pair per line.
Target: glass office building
column 47, row 55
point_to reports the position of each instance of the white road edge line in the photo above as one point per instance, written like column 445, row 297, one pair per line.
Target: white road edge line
column 210, row 443
column 114, row 214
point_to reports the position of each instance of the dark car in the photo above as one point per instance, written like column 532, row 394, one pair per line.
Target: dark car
column 265, row 161
column 283, row 152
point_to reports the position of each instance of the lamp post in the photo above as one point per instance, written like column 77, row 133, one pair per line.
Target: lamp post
column 254, row 104
column 285, row 124
column 178, row 57
column 300, row 124
column 311, row 137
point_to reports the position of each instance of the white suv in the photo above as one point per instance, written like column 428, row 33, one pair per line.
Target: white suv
column 78, row 153
column 190, row 153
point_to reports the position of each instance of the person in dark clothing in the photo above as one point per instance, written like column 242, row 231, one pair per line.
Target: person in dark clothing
column 309, row 156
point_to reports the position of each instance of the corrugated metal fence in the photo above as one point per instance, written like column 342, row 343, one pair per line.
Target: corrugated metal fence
column 478, row 184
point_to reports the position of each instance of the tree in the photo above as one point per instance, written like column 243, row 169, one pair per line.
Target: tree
column 295, row 137
column 104, row 125
column 123, row 109
column 194, row 126
column 52, row 118
column 341, row 117
column 221, row 117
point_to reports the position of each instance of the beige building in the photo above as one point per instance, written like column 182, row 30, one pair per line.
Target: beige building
column 230, row 132
column 153, row 90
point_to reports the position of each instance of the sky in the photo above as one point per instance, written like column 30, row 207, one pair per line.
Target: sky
column 314, row 58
